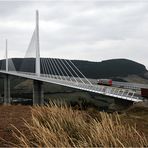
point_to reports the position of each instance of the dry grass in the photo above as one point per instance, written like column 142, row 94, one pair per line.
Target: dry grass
column 60, row 126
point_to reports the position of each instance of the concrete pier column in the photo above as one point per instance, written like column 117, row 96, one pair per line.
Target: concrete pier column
column 7, row 99
column 38, row 94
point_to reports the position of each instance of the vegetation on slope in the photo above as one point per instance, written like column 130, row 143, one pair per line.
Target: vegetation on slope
column 61, row 126
column 104, row 69
column 110, row 68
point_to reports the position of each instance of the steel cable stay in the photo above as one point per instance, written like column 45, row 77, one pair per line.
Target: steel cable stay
column 74, row 71
column 69, row 70
column 64, row 71
column 80, row 72
column 43, row 67
column 48, row 69
column 11, row 66
column 56, row 70
column 62, row 74
column 30, row 53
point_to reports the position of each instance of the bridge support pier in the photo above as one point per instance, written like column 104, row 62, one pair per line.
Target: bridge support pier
column 7, row 99
column 38, row 94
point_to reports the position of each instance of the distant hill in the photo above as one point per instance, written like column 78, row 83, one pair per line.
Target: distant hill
column 103, row 69
column 111, row 68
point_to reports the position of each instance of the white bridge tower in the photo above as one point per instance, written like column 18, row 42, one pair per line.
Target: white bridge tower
column 37, row 45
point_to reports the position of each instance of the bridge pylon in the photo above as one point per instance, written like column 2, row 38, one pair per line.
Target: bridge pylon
column 37, row 45
column 6, row 52
column 38, row 95
column 6, row 80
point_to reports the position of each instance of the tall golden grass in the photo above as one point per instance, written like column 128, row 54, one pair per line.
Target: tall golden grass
column 61, row 126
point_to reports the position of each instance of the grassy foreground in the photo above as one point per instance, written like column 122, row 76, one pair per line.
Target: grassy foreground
column 61, row 126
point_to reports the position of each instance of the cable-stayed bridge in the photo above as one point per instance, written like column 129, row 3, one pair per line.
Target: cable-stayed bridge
column 56, row 71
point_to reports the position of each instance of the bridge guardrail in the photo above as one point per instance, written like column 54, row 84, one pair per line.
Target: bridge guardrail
column 105, row 90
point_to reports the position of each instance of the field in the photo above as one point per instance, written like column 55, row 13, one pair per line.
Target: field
column 47, row 125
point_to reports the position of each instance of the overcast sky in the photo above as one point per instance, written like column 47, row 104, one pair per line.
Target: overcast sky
column 92, row 30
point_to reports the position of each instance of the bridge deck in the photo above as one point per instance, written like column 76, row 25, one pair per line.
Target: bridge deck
column 104, row 90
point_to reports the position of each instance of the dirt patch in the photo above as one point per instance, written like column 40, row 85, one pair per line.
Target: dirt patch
column 12, row 115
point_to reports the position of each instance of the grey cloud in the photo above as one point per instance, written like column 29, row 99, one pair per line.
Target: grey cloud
column 91, row 30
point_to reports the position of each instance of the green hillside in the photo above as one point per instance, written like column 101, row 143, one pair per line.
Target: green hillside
column 110, row 68
column 103, row 69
